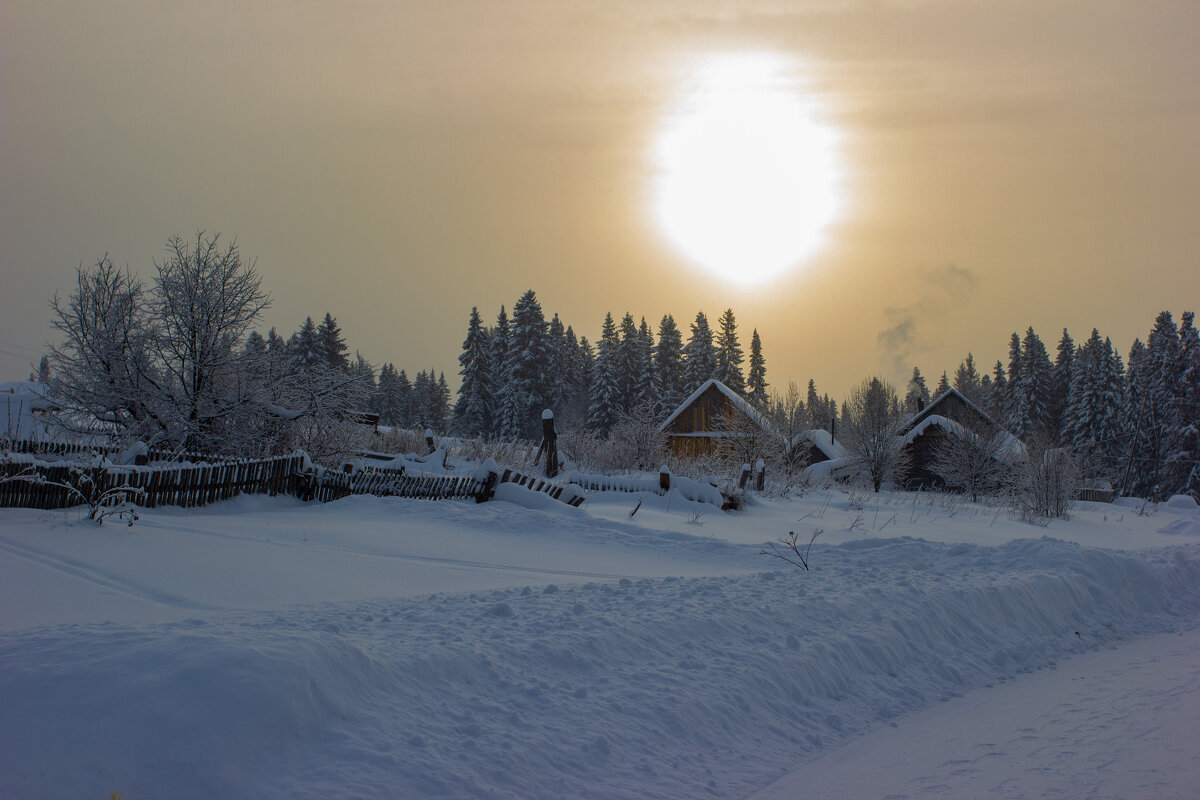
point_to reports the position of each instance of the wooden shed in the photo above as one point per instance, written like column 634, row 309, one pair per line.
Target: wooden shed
column 949, row 414
column 693, row 427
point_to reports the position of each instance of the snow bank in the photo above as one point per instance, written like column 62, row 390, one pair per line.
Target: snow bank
column 654, row 688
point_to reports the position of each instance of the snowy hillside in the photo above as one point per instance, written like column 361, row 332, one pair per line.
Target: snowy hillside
column 523, row 649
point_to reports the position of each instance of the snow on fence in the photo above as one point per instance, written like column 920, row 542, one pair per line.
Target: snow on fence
column 66, row 449
column 568, row 494
column 391, row 483
column 26, row 482
column 696, row 491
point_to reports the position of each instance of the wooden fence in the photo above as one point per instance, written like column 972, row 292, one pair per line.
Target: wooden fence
column 26, row 481
column 36, row 484
column 67, row 449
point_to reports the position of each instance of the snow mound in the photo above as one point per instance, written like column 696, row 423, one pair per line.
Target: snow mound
column 650, row 688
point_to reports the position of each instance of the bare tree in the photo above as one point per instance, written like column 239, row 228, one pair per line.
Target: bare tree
column 975, row 463
column 741, row 438
column 1046, row 481
column 635, row 441
column 103, row 378
column 206, row 300
column 872, row 437
column 790, row 418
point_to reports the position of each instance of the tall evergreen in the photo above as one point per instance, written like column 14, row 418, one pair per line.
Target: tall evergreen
column 524, row 393
column 1091, row 418
column 1064, row 363
column 1184, row 463
column 700, row 360
column 729, row 354
column 472, row 412
column 668, row 366
column 498, row 336
column 756, row 380
column 966, row 380
column 627, row 362
column 642, row 378
column 917, row 394
column 331, row 345
column 1034, row 388
column 304, row 352
column 559, row 364
column 606, row 389
column 943, row 385
column 998, row 399
column 389, row 403
column 1014, row 410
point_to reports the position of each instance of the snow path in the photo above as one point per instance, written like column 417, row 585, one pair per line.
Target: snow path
column 1119, row 723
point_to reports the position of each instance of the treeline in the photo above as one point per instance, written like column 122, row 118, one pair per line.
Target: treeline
column 1135, row 423
column 514, row 369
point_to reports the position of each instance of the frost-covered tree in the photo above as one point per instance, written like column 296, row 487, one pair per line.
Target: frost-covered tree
column 756, row 380
column 472, row 413
column 668, row 367
column 1184, row 462
column 642, row 376
column 1034, row 389
column 103, row 373
column 916, row 395
column 627, row 358
column 206, row 299
column 700, row 359
column 388, row 402
column 1091, row 419
column 871, row 433
column 1060, row 384
column 523, row 395
column 498, row 337
column 977, row 462
column 304, row 349
column 729, row 354
column 1014, row 410
column 605, row 408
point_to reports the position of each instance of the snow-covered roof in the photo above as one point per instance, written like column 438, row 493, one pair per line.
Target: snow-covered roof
column 1012, row 445
column 741, row 403
column 820, row 439
column 932, row 405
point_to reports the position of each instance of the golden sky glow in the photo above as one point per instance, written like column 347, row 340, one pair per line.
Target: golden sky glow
column 1003, row 164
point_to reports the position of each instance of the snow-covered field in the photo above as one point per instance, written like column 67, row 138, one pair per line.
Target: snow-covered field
column 524, row 649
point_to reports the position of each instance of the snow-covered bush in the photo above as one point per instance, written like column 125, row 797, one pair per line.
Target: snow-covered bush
column 1045, row 483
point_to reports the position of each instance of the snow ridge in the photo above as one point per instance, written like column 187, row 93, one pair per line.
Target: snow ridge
column 639, row 689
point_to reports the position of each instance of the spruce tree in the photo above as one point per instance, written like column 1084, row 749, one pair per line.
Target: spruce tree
column 606, row 390
column 1035, row 388
column 729, row 354
column 916, row 396
column 498, row 336
column 966, row 380
column 331, row 345
column 668, row 366
column 1184, row 463
column 523, row 396
column 756, row 380
column 1014, row 409
column 700, row 361
column 627, row 361
column 999, row 394
column 1064, row 363
column 406, row 407
column 943, row 385
column 642, row 378
column 304, row 351
column 472, row 412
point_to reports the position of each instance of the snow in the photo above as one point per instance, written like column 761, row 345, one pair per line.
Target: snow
column 525, row 649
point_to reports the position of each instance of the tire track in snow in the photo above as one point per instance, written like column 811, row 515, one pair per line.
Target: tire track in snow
column 103, row 579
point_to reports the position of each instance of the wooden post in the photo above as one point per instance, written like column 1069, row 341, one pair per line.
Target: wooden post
column 760, row 475
column 744, row 477
column 664, row 478
column 549, row 444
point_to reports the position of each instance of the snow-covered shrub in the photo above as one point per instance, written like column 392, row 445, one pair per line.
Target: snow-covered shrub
column 1045, row 483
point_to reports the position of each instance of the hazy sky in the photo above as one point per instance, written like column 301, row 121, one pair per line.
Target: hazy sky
column 1004, row 164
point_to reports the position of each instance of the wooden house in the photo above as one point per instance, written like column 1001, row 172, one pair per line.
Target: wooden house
column 816, row 446
column 709, row 413
column 948, row 414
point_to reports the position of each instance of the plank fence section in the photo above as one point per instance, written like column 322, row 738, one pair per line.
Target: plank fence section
column 26, row 482
column 555, row 490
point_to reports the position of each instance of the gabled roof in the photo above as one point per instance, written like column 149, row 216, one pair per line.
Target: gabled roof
column 931, row 409
column 1011, row 445
column 739, row 402
column 820, row 439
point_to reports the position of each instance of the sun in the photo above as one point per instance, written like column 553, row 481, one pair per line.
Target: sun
column 746, row 175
